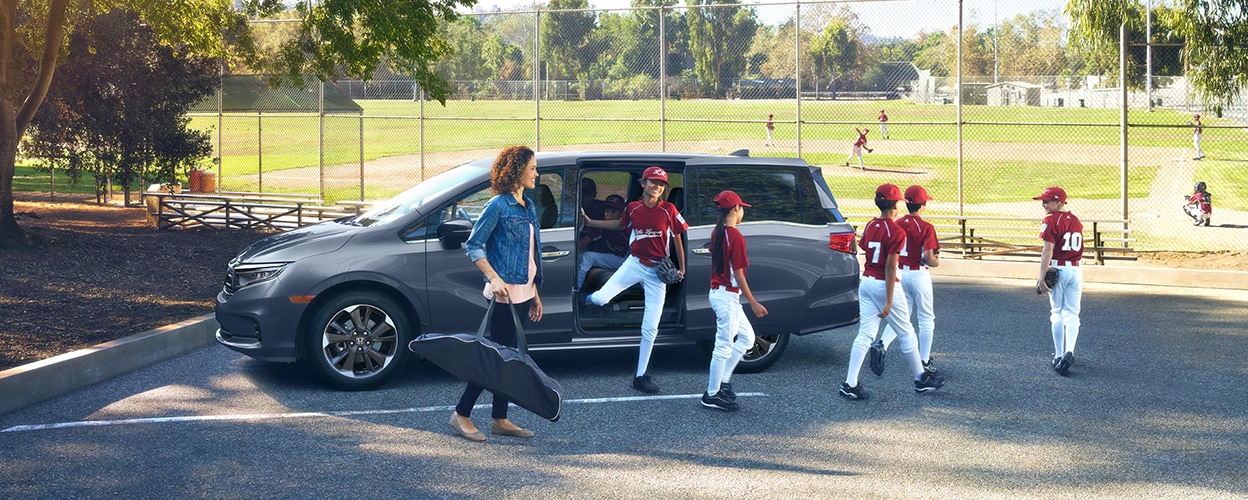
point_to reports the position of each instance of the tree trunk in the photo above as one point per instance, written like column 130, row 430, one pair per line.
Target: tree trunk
column 13, row 120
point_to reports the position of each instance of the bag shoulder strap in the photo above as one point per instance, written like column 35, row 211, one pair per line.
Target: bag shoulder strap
column 521, row 344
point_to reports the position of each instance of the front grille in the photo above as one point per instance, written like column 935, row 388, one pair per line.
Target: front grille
column 231, row 283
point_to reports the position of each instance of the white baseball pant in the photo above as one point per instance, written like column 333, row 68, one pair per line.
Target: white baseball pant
column 591, row 260
column 730, row 321
column 1065, row 299
column 917, row 285
column 630, row 273
column 871, row 297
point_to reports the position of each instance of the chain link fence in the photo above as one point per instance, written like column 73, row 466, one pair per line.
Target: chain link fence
column 1023, row 110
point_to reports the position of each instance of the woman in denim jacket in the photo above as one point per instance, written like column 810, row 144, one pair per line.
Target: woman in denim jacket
column 503, row 246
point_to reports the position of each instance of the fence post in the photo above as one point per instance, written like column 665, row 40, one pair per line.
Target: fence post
column 797, row 74
column 662, row 78
column 537, row 80
column 259, row 151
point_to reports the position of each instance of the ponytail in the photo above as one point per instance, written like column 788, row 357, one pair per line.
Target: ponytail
column 719, row 242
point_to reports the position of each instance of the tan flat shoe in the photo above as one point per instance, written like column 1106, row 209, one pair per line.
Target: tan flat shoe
column 471, row 436
column 518, row 432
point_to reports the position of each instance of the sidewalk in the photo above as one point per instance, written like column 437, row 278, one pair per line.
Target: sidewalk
column 42, row 380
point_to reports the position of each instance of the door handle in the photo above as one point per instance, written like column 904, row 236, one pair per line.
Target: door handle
column 555, row 254
column 702, row 251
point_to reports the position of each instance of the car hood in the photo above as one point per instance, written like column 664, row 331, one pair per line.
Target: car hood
column 300, row 243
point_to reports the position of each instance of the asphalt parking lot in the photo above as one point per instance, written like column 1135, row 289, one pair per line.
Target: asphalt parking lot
column 1155, row 407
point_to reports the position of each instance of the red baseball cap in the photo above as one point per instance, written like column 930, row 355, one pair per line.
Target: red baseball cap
column 1052, row 193
column 888, row 192
column 916, row 194
column 614, row 202
column 729, row 199
column 655, row 173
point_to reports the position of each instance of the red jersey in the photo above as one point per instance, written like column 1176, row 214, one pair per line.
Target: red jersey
column 920, row 236
column 652, row 228
column 881, row 238
column 1199, row 128
column 862, row 139
column 734, row 258
column 1205, row 200
column 883, row 117
column 1065, row 231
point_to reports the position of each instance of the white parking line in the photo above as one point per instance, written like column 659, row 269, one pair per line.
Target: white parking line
column 349, row 413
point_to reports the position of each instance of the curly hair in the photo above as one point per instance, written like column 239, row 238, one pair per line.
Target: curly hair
column 505, row 174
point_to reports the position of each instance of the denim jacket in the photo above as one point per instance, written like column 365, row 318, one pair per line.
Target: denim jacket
column 499, row 236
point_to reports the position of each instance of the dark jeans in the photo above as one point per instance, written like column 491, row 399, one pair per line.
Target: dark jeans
column 503, row 331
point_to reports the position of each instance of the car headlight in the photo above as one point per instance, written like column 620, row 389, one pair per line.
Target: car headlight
column 241, row 275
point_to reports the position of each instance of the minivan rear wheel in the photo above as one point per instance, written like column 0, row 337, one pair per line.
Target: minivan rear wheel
column 766, row 350
column 357, row 341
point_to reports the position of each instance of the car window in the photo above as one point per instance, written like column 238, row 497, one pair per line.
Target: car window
column 780, row 194
column 467, row 207
column 548, row 199
column 412, row 199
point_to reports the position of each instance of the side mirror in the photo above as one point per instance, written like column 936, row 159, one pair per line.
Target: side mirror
column 453, row 233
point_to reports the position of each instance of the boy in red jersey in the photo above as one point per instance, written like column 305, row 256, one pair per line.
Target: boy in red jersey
column 859, row 145
column 883, row 125
column 882, row 243
column 922, row 251
column 654, row 223
column 1062, row 233
column 728, row 263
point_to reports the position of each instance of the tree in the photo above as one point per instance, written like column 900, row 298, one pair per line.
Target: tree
column 1215, row 32
column 719, row 37
column 119, row 109
column 335, row 37
column 565, row 39
column 834, row 52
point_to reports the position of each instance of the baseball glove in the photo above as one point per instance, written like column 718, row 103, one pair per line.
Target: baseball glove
column 1050, row 278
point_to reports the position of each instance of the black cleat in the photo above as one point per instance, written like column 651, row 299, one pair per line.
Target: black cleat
column 855, row 392
column 718, row 401
column 876, row 354
column 1063, row 364
column 928, row 382
column 644, row 384
column 928, row 368
column 725, row 389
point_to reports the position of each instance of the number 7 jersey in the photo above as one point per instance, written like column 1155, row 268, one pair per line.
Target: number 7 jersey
column 1065, row 231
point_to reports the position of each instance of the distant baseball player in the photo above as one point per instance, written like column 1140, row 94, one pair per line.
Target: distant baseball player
column 1197, row 129
column 1062, row 233
column 771, row 126
column 1200, row 205
column 859, row 145
column 922, row 250
column 882, row 243
column 883, row 125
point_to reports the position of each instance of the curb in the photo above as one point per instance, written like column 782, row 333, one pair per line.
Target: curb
column 32, row 383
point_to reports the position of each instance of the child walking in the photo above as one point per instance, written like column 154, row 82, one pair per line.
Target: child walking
column 728, row 263
column 1062, row 233
column 882, row 242
column 922, row 251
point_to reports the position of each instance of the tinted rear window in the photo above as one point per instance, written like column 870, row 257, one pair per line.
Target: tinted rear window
column 777, row 193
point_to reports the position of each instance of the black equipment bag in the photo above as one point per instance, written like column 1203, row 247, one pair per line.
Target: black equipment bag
column 506, row 371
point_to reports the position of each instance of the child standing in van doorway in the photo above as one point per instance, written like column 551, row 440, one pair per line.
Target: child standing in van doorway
column 654, row 224
column 728, row 263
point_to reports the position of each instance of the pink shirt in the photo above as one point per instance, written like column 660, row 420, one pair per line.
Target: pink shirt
column 519, row 293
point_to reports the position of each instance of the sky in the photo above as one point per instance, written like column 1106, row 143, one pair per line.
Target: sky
column 887, row 18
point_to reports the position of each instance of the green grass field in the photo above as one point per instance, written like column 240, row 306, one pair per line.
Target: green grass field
column 393, row 128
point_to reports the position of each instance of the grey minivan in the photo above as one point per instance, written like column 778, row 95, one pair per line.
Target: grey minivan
column 346, row 296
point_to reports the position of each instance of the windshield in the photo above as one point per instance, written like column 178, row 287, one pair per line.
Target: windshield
column 412, row 199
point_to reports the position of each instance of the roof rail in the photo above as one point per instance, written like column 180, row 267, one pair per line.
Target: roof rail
column 743, row 153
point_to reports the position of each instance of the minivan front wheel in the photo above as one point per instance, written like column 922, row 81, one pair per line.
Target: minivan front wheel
column 766, row 350
column 357, row 341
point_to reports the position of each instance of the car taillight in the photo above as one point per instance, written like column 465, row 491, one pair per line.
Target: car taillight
column 841, row 242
